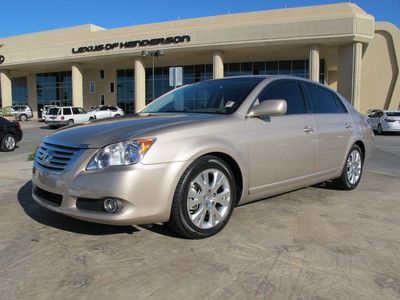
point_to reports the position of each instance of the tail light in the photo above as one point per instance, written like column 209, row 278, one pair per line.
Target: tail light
column 390, row 120
column 62, row 118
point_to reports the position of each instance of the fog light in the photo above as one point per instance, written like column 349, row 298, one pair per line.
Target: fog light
column 110, row 205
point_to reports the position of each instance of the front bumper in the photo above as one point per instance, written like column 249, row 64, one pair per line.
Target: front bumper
column 145, row 191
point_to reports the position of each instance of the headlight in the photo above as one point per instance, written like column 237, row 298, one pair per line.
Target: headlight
column 120, row 154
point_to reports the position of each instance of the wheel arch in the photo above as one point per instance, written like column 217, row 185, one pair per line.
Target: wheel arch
column 237, row 172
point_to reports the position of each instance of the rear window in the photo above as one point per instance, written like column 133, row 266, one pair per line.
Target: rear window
column 393, row 113
column 53, row 111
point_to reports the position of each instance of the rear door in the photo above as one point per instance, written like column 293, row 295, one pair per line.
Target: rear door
column 281, row 148
column 79, row 115
column 333, row 126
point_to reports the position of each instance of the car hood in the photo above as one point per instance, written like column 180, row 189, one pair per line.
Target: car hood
column 100, row 133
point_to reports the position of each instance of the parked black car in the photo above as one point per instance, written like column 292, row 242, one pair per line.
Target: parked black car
column 10, row 134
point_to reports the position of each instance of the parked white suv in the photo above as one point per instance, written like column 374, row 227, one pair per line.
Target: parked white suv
column 45, row 109
column 105, row 111
column 383, row 121
column 68, row 115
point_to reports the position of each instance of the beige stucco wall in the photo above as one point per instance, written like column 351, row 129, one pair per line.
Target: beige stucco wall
column 102, row 87
column 380, row 83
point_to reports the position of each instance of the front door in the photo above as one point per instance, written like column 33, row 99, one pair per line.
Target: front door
column 281, row 148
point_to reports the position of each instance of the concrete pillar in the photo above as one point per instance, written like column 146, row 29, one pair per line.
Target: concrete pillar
column 218, row 65
column 140, row 84
column 356, row 90
column 32, row 94
column 77, row 85
column 349, row 72
column 314, row 63
column 6, row 91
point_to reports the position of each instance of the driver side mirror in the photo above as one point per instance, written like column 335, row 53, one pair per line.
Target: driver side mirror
column 276, row 107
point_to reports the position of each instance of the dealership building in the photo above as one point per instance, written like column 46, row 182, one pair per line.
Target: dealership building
column 339, row 45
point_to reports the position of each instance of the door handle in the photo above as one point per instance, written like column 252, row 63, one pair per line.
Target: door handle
column 308, row 129
column 347, row 125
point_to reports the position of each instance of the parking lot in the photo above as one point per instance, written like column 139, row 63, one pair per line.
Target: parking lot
column 309, row 244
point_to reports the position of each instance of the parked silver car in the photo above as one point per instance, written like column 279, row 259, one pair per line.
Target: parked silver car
column 198, row 151
column 384, row 121
column 22, row 112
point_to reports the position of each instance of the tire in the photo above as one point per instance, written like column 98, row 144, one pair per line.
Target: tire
column 8, row 143
column 346, row 181
column 23, row 117
column 70, row 122
column 53, row 126
column 91, row 118
column 380, row 131
column 117, row 115
column 211, row 212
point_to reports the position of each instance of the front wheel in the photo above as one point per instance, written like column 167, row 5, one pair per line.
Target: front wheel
column 352, row 170
column 23, row 117
column 8, row 143
column 204, row 199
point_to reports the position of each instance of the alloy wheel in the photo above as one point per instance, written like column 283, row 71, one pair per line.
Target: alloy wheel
column 9, row 143
column 209, row 198
column 353, row 166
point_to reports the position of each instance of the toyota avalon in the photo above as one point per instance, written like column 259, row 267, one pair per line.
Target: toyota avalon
column 189, row 157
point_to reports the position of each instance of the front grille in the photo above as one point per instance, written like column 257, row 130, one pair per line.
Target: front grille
column 57, row 159
column 48, row 196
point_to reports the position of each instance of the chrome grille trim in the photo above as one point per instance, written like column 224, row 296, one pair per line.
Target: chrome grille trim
column 56, row 158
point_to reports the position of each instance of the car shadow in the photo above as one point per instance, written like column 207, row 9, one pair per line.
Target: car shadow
column 50, row 218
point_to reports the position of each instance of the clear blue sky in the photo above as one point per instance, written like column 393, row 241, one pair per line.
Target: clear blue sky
column 25, row 16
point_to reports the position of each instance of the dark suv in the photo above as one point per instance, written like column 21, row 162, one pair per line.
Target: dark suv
column 10, row 134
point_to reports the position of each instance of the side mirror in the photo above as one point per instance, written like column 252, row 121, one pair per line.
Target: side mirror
column 269, row 108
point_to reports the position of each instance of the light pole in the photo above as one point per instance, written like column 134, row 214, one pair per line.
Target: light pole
column 155, row 53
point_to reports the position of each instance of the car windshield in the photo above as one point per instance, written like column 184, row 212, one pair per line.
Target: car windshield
column 393, row 114
column 221, row 96
column 53, row 111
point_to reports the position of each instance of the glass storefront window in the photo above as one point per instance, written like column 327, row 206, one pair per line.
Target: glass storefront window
column 19, row 90
column 191, row 74
column 53, row 88
column 126, row 90
column 298, row 68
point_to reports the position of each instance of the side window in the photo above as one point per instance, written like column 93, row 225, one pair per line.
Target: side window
column 81, row 111
column 322, row 100
column 339, row 104
column 66, row 111
column 75, row 111
column 103, row 108
column 288, row 90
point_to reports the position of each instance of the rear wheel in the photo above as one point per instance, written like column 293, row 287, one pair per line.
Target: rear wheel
column 70, row 122
column 8, row 143
column 204, row 199
column 23, row 117
column 352, row 170
column 380, row 131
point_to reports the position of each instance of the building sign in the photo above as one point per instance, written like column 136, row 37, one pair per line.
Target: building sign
column 132, row 44
column 2, row 59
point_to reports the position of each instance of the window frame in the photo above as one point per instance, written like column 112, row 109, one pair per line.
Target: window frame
column 333, row 94
column 279, row 80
